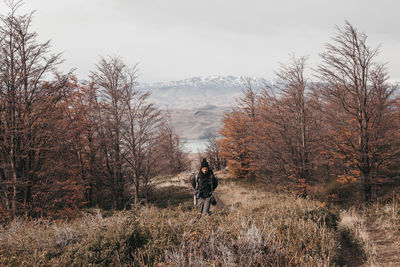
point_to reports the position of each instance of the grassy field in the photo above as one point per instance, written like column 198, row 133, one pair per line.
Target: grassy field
column 248, row 227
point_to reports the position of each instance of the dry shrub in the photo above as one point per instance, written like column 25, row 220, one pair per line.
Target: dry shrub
column 40, row 239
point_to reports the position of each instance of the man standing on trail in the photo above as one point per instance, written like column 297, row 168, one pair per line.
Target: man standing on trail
column 205, row 183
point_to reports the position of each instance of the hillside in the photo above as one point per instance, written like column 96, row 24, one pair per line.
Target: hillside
column 247, row 227
column 199, row 123
column 198, row 103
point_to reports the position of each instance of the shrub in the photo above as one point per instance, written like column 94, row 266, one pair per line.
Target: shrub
column 344, row 194
column 113, row 242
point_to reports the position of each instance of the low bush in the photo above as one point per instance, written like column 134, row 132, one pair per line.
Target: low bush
column 345, row 195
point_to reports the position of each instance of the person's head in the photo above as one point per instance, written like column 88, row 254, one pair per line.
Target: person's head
column 204, row 167
column 204, row 170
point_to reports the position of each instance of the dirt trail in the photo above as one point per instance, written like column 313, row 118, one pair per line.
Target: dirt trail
column 349, row 255
column 381, row 243
column 386, row 244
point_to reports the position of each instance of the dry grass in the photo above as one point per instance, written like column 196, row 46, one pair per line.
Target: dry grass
column 251, row 228
column 265, row 229
column 375, row 232
column 387, row 215
column 182, row 180
column 254, row 228
column 384, row 230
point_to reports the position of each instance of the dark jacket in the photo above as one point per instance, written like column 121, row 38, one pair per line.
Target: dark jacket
column 206, row 183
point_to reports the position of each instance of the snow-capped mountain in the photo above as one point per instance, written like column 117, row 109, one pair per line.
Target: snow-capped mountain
column 199, row 91
column 198, row 103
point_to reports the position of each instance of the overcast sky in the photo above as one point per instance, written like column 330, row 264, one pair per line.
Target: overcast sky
column 178, row 39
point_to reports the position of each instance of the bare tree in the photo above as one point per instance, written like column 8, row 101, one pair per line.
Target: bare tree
column 81, row 112
column 213, row 154
column 25, row 97
column 172, row 158
column 358, row 100
column 128, row 130
column 142, row 120
column 285, row 131
column 248, row 102
column 114, row 80
column 294, row 83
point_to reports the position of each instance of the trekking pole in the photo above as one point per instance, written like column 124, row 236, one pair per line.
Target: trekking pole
column 197, row 190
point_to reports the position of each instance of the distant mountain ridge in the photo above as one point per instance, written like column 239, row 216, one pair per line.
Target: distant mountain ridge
column 198, row 103
column 199, row 91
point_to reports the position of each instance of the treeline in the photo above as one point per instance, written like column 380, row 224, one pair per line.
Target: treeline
column 338, row 130
column 67, row 144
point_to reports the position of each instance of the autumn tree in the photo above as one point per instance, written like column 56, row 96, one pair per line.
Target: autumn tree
column 30, row 118
column 132, row 134
column 286, row 130
column 358, row 104
column 235, row 143
column 59, row 188
column 80, row 109
column 237, row 133
column 66, row 143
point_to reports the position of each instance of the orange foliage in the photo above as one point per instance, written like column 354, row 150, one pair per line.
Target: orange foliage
column 235, row 144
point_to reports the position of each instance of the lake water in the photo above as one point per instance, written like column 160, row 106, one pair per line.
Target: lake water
column 195, row 145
